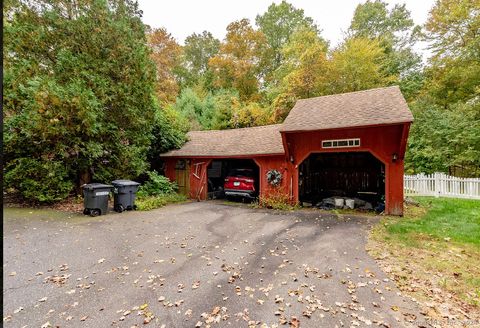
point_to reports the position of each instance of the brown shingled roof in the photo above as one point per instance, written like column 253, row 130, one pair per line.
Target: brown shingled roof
column 362, row 108
column 258, row 140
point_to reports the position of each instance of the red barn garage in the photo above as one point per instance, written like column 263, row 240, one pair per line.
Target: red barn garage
column 349, row 145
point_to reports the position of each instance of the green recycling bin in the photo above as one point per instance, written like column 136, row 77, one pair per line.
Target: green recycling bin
column 95, row 198
column 124, row 194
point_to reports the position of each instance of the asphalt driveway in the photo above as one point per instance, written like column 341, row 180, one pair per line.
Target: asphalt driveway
column 195, row 264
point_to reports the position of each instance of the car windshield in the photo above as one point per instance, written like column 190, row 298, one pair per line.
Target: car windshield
column 241, row 172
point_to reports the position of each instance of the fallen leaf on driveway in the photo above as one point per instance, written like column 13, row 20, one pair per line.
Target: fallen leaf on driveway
column 216, row 310
column 294, row 322
column 43, row 299
column 101, row 260
column 18, row 310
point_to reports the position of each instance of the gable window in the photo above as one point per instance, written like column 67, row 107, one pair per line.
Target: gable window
column 341, row 143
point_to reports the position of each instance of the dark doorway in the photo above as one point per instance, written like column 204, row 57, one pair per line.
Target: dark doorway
column 218, row 170
column 345, row 174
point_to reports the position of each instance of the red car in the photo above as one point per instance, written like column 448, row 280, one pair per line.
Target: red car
column 240, row 183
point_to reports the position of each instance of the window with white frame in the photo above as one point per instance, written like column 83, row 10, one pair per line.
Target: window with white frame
column 341, row 143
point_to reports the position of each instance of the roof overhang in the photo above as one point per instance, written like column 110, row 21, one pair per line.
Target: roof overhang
column 351, row 127
column 221, row 156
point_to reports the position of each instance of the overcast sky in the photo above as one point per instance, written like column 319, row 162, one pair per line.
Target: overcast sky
column 184, row 17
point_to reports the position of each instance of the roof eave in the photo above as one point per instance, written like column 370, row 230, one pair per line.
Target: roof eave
column 346, row 127
column 222, row 156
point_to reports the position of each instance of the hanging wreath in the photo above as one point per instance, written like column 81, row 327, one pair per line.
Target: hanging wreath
column 274, row 177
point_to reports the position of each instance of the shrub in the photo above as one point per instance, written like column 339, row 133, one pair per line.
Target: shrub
column 157, row 185
column 38, row 180
column 276, row 201
column 148, row 203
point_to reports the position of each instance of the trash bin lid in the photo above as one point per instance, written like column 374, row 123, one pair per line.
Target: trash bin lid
column 93, row 186
column 125, row 183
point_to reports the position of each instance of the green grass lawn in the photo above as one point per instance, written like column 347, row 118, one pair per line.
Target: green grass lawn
column 434, row 247
column 456, row 219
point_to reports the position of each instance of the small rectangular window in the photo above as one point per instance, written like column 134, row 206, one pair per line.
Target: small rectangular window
column 341, row 143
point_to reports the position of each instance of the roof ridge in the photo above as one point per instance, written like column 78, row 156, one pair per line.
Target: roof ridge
column 350, row 92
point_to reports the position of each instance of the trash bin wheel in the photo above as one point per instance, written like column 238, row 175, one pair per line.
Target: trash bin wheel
column 86, row 211
column 95, row 212
column 134, row 207
column 119, row 208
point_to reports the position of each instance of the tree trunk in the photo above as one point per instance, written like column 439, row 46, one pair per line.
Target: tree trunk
column 84, row 178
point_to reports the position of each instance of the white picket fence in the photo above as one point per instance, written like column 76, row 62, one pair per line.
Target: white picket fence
column 441, row 185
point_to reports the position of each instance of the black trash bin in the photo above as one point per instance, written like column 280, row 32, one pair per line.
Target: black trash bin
column 124, row 194
column 95, row 198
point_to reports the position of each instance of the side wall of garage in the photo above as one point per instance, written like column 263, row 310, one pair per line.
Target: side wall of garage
column 267, row 163
column 386, row 143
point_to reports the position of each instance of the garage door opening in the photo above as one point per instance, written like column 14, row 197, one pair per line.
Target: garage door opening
column 243, row 175
column 355, row 175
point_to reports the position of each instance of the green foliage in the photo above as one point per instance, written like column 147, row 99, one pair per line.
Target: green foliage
column 157, row 185
column 222, row 109
column 445, row 140
column 278, row 24
column 37, row 180
column 445, row 135
column 238, row 63
column 78, row 91
column 198, row 50
column 305, row 65
column 169, row 132
column 396, row 33
column 152, row 202
column 157, row 192
column 453, row 27
column 196, row 110
column 358, row 64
